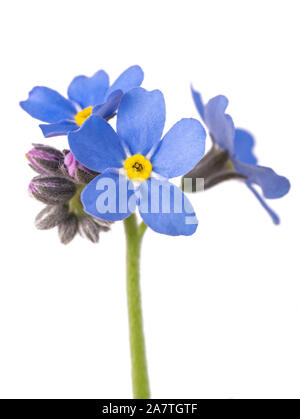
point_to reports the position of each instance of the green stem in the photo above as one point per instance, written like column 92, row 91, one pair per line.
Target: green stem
column 140, row 381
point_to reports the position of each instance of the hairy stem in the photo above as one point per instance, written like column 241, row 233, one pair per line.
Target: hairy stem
column 140, row 381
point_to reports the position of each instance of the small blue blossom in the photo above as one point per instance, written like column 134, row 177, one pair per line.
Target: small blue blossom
column 87, row 95
column 239, row 145
column 137, row 163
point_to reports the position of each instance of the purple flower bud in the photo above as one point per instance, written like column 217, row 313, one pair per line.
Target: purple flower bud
column 77, row 171
column 71, row 163
column 52, row 190
column 45, row 159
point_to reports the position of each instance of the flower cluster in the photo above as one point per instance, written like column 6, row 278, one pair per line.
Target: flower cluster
column 138, row 163
column 107, row 174
column 59, row 185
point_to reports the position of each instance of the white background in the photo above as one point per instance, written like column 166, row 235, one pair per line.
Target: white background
column 221, row 308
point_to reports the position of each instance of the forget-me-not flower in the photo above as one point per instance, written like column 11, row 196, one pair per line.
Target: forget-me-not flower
column 239, row 145
column 87, row 95
column 136, row 164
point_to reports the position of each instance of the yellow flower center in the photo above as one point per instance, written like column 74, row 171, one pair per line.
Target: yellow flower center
column 138, row 167
column 83, row 115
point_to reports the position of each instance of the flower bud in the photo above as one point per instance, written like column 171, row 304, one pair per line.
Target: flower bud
column 52, row 190
column 103, row 225
column 68, row 229
column 51, row 216
column 89, row 229
column 84, row 176
column 77, row 171
column 45, row 159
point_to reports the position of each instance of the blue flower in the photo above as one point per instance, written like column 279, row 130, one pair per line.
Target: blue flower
column 239, row 145
column 135, row 163
column 87, row 95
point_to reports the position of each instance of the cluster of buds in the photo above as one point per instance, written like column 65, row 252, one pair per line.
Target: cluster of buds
column 59, row 184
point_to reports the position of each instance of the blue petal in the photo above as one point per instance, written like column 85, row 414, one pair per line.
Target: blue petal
column 243, row 146
column 198, row 102
column 273, row 215
column 96, row 145
column 109, row 196
column 141, row 119
column 59, row 128
column 165, row 209
column 89, row 91
column 180, row 149
column 272, row 185
column 48, row 105
column 220, row 125
column 130, row 78
column 108, row 109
